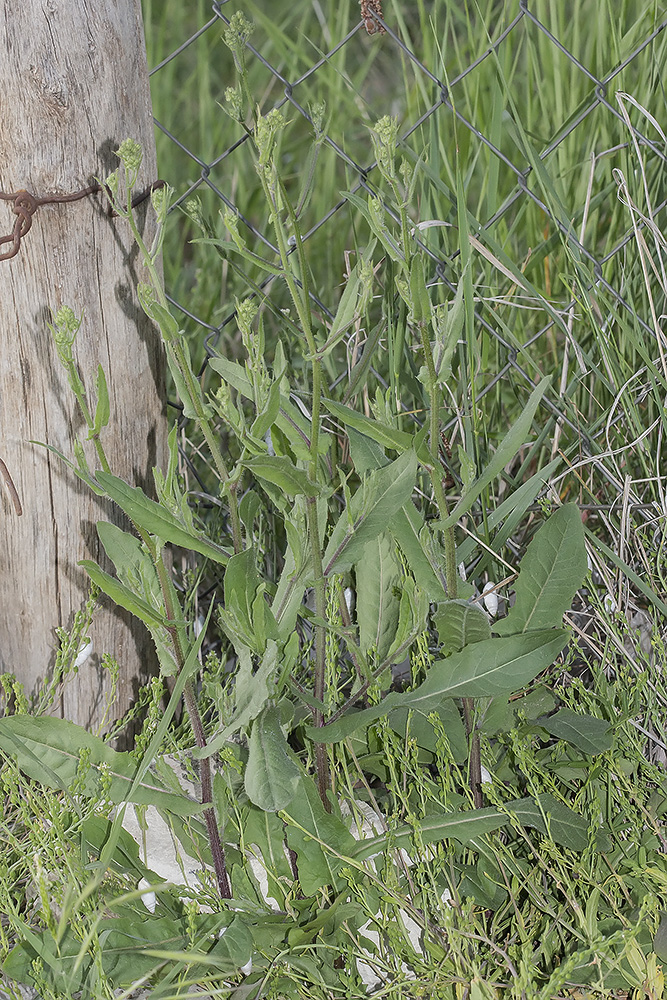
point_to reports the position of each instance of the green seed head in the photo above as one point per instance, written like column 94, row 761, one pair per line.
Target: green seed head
column 130, row 154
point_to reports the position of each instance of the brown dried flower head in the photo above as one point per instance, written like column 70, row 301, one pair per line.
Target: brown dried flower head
column 368, row 8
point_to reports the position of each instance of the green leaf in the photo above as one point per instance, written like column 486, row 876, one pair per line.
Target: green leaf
column 585, row 732
column 234, row 374
column 550, row 573
column 282, row 472
column 132, row 563
column 365, row 453
column 458, row 624
column 447, row 324
column 481, row 670
column 419, row 297
column 190, row 395
column 376, row 501
column 378, row 603
column 373, row 214
column 156, row 519
column 94, row 834
column 48, row 750
column 494, row 666
column 406, row 527
column 59, row 960
column 160, row 315
column 267, row 832
column 461, row 826
column 506, row 451
column 421, row 729
column 346, row 313
column 566, row 827
column 510, row 510
column 387, row 437
column 102, row 409
column 318, row 837
column 240, row 585
column 251, row 693
column 290, row 421
column 122, row 595
column 271, row 776
column 267, row 417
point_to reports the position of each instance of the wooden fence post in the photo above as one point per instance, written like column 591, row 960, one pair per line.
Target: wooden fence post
column 73, row 85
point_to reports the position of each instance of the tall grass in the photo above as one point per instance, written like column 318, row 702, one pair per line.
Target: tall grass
column 532, row 297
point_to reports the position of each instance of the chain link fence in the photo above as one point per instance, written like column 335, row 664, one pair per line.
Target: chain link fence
column 594, row 124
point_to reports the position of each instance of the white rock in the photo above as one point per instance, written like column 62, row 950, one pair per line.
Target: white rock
column 490, row 598
column 147, row 898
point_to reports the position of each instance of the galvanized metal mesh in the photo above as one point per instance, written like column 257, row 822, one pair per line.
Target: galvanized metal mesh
column 596, row 279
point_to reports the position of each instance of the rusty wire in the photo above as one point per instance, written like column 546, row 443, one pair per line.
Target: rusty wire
column 26, row 204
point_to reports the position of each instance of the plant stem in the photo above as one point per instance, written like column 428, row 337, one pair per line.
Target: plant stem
column 474, row 757
column 321, row 758
column 302, row 304
column 451, row 575
column 217, row 850
column 191, row 385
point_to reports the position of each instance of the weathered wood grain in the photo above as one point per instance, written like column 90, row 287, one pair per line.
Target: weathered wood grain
column 73, row 85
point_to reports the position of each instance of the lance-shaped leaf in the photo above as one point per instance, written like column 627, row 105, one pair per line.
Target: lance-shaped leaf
column 352, row 298
column 458, row 624
column 411, row 533
column 407, row 524
column 271, row 776
column 507, row 449
column 565, row 826
column 156, row 519
column 251, row 693
column 320, row 839
column 283, row 473
column 585, row 732
column 481, row 670
column 102, row 408
column 550, row 573
column 460, row 826
column 378, row 602
column 49, row 750
column 384, row 435
column 122, row 595
column 380, row 495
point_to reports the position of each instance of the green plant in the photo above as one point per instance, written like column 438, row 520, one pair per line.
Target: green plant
column 511, row 828
column 259, row 615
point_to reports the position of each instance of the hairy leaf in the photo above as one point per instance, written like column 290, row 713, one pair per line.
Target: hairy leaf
column 49, row 750
column 271, row 776
column 378, row 603
column 586, row 733
column 550, row 573
column 380, row 495
column 482, row 670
